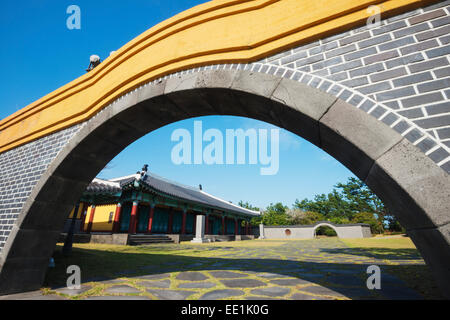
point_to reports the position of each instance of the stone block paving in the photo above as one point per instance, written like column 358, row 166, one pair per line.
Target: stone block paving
column 321, row 269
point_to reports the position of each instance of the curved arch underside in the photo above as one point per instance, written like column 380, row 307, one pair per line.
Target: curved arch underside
column 325, row 224
column 221, row 31
column 412, row 186
column 343, row 230
column 90, row 120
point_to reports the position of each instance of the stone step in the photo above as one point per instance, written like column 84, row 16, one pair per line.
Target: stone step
column 139, row 238
column 149, row 239
column 133, row 243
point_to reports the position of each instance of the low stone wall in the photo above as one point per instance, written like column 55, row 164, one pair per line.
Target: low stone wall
column 244, row 237
column 116, row 238
column 104, row 238
column 286, row 232
column 177, row 238
column 122, row 238
column 77, row 238
column 215, row 237
column 358, row 230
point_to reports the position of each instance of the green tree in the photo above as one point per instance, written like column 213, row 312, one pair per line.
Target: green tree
column 339, row 220
column 247, row 205
column 255, row 221
column 298, row 216
column 348, row 199
column 275, row 215
column 360, row 198
column 325, row 231
column 332, row 205
column 367, row 217
column 392, row 224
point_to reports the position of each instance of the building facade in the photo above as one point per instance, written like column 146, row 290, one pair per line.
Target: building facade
column 145, row 203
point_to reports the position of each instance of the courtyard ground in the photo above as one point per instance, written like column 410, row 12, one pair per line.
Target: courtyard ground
column 327, row 268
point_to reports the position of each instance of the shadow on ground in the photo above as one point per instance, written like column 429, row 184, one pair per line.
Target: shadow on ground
column 378, row 253
column 324, row 279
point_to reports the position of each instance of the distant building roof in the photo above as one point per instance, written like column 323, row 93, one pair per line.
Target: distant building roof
column 100, row 186
column 165, row 187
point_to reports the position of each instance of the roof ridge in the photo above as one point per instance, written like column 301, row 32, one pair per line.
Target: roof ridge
column 156, row 176
column 229, row 203
column 122, row 178
column 106, row 182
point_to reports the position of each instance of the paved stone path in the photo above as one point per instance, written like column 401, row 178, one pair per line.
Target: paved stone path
column 297, row 270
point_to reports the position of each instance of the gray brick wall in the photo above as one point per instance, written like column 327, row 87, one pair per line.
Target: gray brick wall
column 397, row 72
column 20, row 170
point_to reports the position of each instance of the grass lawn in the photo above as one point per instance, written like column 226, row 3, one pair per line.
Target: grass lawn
column 240, row 244
column 419, row 277
column 390, row 242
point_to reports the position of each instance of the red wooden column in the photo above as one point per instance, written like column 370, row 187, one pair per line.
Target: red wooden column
column 235, row 226
column 91, row 220
column 223, row 225
column 170, row 223
column 116, row 224
column 150, row 219
column 247, row 228
column 207, row 224
column 133, row 218
column 183, row 225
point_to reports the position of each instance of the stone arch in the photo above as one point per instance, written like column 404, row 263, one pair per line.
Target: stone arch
column 326, row 224
column 411, row 184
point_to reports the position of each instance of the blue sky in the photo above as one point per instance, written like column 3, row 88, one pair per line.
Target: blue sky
column 39, row 54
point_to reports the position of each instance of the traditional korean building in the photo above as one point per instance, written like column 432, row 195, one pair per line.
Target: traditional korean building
column 145, row 203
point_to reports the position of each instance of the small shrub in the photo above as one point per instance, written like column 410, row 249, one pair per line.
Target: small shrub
column 325, row 231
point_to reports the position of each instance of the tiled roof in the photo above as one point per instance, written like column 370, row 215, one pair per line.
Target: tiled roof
column 103, row 186
column 173, row 189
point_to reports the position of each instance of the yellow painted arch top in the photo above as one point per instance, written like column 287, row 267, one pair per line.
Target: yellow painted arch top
column 220, row 31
